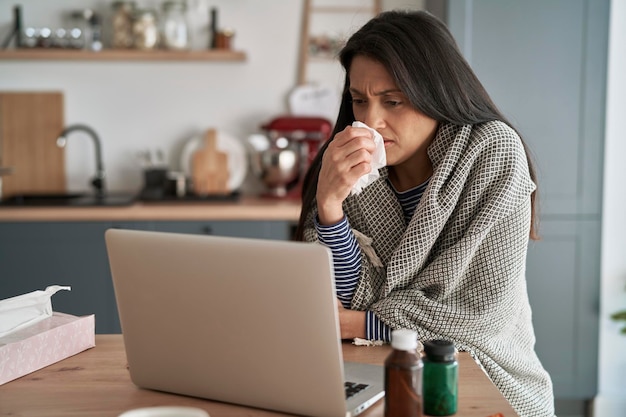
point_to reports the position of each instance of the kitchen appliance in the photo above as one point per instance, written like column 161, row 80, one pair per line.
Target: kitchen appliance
column 285, row 151
column 276, row 164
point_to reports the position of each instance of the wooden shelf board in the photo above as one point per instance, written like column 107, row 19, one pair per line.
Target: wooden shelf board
column 121, row 55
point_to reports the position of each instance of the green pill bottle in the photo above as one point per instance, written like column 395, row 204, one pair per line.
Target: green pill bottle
column 440, row 378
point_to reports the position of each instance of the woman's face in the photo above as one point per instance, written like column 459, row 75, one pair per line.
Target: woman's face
column 379, row 103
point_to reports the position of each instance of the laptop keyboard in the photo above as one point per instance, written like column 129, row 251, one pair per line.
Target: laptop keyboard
column 353, row 388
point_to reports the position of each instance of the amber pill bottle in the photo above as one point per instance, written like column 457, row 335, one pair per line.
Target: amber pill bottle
column 403, row 376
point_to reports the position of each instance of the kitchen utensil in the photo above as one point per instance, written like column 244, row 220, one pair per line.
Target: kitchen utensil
column 210, row 167
column 233, row 147
column 29, row 125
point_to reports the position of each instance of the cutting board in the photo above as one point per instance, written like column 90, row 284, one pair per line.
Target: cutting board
column 29, row 125
column 210, row 167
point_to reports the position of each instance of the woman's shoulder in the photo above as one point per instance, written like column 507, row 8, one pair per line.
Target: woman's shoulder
column 492, row 140
column 480, row 134
column 496, row 139
column 499, row 150
column 495, row 132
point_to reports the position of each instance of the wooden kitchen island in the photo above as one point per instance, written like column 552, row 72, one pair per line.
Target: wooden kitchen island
column 97, row 383
column 42, row 246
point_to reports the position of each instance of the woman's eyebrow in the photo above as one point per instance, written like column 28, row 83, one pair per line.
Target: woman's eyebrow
column 380, row 93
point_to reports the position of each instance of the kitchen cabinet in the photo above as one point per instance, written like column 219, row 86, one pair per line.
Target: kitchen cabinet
column 562, row 281
column 277, row 230
column 550, row 82
column 34, row 255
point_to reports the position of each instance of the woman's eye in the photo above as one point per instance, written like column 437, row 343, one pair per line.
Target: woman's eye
column 357, row 101
column 393, row 103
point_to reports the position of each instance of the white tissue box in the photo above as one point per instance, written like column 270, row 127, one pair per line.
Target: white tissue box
column 44, row 343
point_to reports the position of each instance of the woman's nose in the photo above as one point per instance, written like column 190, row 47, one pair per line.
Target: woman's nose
column 374, row 117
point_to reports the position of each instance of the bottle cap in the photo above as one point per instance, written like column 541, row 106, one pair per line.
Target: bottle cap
column 404, row 339
column 439, row 350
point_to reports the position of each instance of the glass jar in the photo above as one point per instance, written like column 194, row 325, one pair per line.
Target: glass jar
column 174, row 25
column 77, row 34
column 145, row 29
column 122, row 24
column 225, row 39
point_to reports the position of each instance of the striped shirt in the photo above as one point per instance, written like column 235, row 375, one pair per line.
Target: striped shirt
column 341, row 241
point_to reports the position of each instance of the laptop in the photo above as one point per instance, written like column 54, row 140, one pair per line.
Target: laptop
column 238, row 320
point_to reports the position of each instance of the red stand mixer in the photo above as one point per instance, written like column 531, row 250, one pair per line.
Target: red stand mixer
column 292, row 144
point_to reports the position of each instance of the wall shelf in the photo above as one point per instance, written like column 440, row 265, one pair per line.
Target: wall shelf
column 305, row 56
column 120, row 55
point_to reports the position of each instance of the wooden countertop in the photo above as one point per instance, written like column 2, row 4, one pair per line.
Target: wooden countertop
column 96, row 383
column 246, row 208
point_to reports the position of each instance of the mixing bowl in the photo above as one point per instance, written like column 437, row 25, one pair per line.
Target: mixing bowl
column 277, row 165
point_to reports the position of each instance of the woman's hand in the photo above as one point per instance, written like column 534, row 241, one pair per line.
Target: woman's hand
column 351, row 322
column 346, row 159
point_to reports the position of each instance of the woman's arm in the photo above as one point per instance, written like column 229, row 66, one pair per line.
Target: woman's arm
column 342, row 242
column 346, row 257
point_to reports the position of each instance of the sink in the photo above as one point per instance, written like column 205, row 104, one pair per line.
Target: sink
column 67, row 200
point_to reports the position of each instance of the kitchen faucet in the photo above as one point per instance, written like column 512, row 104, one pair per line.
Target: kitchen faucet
column 98, row 180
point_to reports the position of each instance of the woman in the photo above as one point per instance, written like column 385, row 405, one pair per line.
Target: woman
column 438, row 242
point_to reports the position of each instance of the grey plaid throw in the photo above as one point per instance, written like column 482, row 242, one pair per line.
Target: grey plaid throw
column 457, row 270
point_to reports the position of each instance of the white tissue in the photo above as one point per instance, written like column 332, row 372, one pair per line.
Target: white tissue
column 379, row 160
column 26, row 309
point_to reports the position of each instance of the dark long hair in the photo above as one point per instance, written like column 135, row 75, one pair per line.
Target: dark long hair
column 421, row 55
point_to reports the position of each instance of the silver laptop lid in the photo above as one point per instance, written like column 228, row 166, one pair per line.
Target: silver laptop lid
column 245, row 321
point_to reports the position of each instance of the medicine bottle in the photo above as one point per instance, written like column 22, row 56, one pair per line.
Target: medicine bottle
column 440, row 378
column 403, row 376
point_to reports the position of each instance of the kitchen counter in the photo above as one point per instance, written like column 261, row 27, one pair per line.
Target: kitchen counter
column 246, row 208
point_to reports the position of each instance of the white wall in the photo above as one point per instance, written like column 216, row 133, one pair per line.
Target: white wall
column 611, row 400
column 135, row 106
